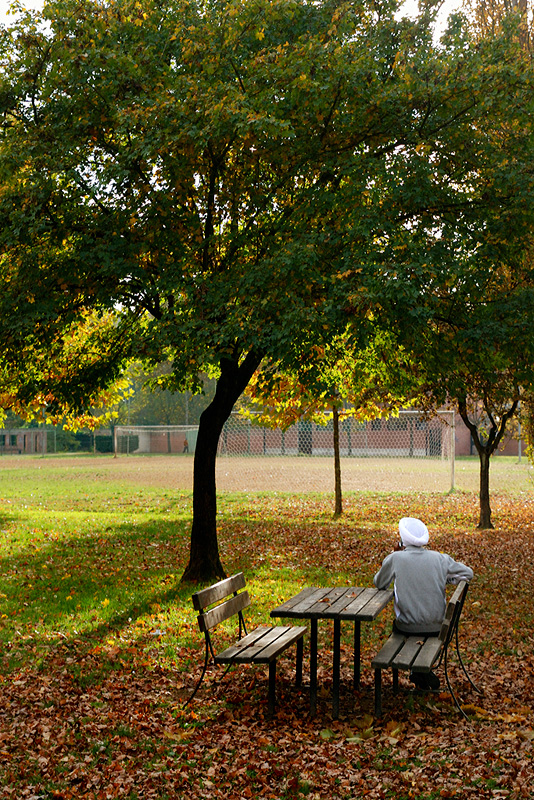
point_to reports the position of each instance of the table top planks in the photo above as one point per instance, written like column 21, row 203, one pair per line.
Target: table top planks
column 335, row 602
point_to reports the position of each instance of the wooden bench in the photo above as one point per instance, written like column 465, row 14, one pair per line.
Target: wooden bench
column 422, row 654
column 263, row 645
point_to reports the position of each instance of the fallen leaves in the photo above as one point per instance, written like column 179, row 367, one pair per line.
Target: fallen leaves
column 99, row 714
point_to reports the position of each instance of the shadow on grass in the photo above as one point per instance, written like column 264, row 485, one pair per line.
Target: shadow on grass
column 121, row 582
column 88, row 586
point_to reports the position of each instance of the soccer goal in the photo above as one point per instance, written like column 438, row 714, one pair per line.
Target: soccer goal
column 162, row 439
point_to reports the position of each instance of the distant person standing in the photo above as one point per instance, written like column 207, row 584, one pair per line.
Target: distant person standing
column 419, row 577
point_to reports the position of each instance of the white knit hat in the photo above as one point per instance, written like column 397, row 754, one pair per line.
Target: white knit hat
column 413, row 531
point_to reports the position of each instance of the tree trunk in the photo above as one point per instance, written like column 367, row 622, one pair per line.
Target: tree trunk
column 204, row 560
column 338, row 510
column 485, row 508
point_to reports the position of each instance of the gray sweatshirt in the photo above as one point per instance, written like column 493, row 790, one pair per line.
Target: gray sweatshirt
column 420, row 578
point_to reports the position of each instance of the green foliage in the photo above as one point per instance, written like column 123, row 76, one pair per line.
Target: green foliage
column 241, row 175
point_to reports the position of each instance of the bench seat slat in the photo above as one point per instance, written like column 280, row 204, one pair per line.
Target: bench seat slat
column 261, row 646
column 388, row 651
column 244, row 644
column 285, row 639
column 406, row 655
column 427, row 655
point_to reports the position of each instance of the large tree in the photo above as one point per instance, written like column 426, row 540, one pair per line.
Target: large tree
column 226, row 177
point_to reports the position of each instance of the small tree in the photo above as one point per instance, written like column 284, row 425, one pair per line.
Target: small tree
column 477, row 355
column 527, row 423
column 487, row 421
column 340, row 381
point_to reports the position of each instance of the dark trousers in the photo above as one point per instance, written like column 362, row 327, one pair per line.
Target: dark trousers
column 423, row 634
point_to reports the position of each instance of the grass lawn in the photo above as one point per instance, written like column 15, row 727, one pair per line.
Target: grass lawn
column 100, row 647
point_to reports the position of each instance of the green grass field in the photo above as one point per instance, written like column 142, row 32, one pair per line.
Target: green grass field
column 99, row 643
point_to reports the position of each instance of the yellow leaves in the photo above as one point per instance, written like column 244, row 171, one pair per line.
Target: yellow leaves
column 474, row 710
column 260, row 34
column 364, row 730
column 393, row 731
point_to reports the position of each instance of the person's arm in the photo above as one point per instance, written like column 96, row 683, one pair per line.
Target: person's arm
column 385, row 574
column 456, row 571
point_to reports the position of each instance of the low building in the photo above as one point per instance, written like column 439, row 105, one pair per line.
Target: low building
column 18, row 441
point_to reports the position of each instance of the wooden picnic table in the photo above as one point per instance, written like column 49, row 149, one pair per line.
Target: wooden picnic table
column 338, row 603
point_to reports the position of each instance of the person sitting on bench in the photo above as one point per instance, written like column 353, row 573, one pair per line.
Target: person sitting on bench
column 419, row 577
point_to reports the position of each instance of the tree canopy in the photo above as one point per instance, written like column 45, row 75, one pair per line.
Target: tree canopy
column 240, row 181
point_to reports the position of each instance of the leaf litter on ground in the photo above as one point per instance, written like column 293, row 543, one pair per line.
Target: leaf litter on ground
column 95, row 709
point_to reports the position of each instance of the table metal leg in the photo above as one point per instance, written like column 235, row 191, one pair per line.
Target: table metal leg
column 336, row 668
column 357, row 656
column 313, row 667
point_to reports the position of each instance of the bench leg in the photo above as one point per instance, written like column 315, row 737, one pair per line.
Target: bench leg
column 272, row 686
column 204, row 668
column 300, row 653
column 336, row 666
column 357, row 654
column 451, row 690
column 313, row 667
column 378, row 692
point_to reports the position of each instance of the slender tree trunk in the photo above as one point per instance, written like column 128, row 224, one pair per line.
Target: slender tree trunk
column 485, row 508
column 204, row 560
column 338, row 509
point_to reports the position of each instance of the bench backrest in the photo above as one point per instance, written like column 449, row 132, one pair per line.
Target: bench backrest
column 213, row 605
column 452, row 613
